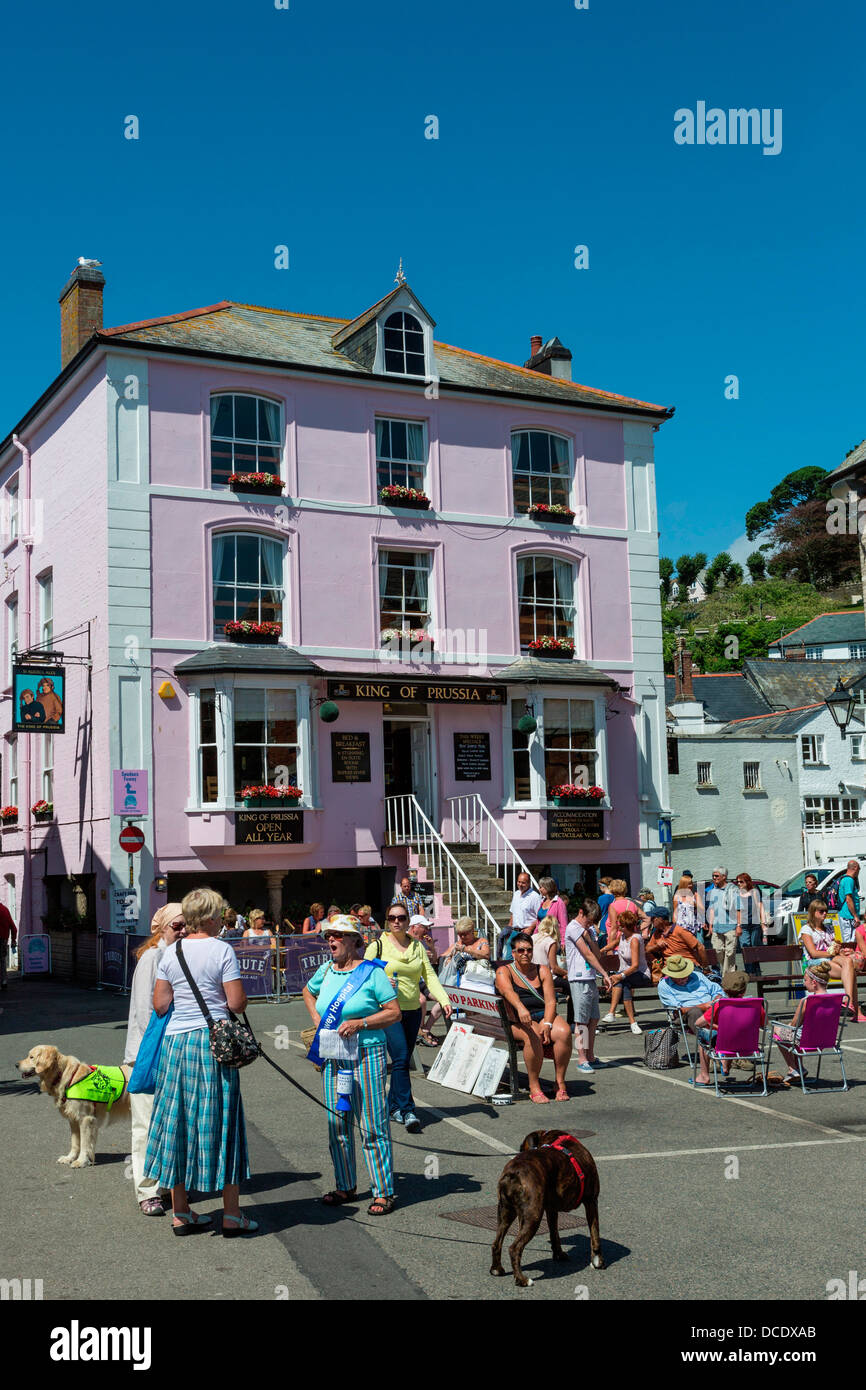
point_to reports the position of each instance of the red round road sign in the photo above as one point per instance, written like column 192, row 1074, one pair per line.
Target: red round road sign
column 131, row 839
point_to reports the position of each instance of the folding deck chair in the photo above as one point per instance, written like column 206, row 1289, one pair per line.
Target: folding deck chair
column 824, row 1019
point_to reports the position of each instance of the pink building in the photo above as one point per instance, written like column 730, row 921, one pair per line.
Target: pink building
column 126, row 544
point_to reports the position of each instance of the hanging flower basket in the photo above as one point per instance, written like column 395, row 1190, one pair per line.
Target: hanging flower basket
column 268, row 483
column 571, row 794
column 270, row 796
column 540, row 511
column 396, row 496
column 9, row 815
column 560, row 648
column 253, row 632
column 43, row 810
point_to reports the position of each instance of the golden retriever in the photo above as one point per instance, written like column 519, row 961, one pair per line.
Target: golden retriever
column 56, row 1074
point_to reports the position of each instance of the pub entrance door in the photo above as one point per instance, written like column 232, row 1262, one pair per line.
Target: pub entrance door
column 408, row 762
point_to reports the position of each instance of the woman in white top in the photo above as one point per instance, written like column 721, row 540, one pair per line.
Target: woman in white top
column 819, row 943
column 632, row 968
column 166, row 926
column 545, row 945
column 197, row 1134
column 688, row 908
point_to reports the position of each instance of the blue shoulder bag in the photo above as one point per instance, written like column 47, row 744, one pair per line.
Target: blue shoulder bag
column 143, row 1079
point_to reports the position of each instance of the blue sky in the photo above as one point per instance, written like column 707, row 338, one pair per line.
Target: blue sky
column 305, row 126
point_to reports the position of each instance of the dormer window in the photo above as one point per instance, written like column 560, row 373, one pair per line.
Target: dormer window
column 404, row 345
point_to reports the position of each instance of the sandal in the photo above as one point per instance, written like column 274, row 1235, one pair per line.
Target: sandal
column 381, row 1206
column 190, row 1222
column 539, row 1097
column 338, row 1198
column 239, row 1225
column 427, row 1038
column 152, row 1206
column 562, row 1094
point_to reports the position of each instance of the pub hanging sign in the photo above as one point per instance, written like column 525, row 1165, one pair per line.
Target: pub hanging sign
column 38, row 699
column 419, row 690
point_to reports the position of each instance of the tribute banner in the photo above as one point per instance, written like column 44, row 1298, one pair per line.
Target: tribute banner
column 576, row 823
column 432, row 692
column 302, row 957
column 38, row 697
column 268, row 827
column 112, row 959
column 472, row 757
column 350, row 757
column 255, row 962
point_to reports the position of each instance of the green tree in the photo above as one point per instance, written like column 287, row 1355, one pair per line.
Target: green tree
column 803, row 485
column 733, row 575
column 688, row 569
column 757, row 566
column 666, row 574
column 807, row 552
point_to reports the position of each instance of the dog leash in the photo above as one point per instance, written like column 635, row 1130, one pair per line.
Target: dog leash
column 452, row 1153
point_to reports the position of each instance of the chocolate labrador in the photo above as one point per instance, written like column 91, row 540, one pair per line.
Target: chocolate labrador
column 552, row 1173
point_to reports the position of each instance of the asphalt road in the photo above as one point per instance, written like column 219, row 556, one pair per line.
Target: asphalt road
column 701, row 1198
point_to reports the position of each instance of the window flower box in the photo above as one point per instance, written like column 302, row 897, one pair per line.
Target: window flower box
column 560, row 648
column 43, row 810
column 570, row 794
column 245, row 631
column 405, row 634
column 394, row 495
column 268, row 483
column 270, row 796
column 9, row 815
column 540, row 511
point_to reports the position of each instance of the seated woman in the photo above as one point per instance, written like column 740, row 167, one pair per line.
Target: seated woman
column 468, row 942
column 257, row 931
column 545, row 947
column 528, row 989
column 633, row 968
column 819, row 943
column 787, row 1035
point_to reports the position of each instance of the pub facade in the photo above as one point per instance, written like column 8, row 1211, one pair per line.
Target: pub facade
column 342, row 568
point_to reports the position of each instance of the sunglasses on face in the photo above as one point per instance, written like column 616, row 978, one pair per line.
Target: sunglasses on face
column 401, row 918
column 522, row 950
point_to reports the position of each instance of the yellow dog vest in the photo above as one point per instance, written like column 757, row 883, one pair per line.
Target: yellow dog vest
column 102, row 1084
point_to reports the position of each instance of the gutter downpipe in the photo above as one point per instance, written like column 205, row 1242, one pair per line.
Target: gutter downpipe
column 24, row 515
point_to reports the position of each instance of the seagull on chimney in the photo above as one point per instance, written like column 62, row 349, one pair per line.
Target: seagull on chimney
column 83, row 260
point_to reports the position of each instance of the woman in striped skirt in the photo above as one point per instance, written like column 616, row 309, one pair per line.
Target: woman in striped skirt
column 369, row 1009
column 197, row 1137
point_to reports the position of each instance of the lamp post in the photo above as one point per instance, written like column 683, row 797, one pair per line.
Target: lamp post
column 840, row 702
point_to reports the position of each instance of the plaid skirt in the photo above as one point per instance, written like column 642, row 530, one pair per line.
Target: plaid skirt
column 197, row 1135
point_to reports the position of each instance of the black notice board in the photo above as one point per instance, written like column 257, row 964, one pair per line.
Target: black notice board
column 576, row 823
column 472, row 757
column 268, row 827
column 350, row 757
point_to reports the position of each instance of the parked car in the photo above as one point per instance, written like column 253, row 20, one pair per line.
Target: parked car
column 829, row 877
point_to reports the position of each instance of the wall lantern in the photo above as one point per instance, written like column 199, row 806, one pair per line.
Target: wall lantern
column 840, row 702
column 160, row 883
column 328, row 711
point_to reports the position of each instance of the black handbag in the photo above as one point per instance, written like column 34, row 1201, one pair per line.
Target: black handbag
column 232, row 1043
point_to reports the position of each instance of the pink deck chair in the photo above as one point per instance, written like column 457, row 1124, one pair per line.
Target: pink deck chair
column 740, row 1035
column 821, row 1036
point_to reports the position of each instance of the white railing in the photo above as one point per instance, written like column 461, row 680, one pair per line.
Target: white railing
column 406, row 824
column 475, row 826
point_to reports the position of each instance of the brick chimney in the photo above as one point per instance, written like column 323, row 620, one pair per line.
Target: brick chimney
column 535, row 344
column 683, row 672
column 550, row 357
column 80, row 310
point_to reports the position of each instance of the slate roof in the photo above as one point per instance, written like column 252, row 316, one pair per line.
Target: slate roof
column 831, row 628
column 785, row 725
column 855, row 463
column 245, row 656
column 533, row 668
column 793, row 684
column 725, row 696
column 279, row 337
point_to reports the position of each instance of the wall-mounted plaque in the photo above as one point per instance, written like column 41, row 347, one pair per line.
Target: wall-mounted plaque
column 350, row 757
column 576, row 823
column 472, row 757
column 268, row 827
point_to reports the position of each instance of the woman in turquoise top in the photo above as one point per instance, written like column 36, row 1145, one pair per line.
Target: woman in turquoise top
column 368, row 1010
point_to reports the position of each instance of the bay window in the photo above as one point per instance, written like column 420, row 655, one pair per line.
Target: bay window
column 567, row 746
column 247, row 580
column 570, row 753
column 520, row 754
column 249, row 732
column 245, row 436
column 265, row 742
column 207, row 747
column 545, row 598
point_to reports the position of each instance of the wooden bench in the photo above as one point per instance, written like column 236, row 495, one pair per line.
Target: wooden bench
column 775, row 955
column 489, row 1018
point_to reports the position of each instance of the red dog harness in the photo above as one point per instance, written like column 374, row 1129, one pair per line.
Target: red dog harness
column 558, row 1145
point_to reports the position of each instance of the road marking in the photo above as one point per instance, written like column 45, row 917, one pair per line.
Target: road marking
column 731, row 1148
column 849, row 1047
column 734, row 1100
column 475, row 1133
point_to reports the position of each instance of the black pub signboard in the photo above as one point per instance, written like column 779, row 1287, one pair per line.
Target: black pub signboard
column 576, row 823
column 417, row 690
column 350, row 757
column 267, row 827
column 472, row 757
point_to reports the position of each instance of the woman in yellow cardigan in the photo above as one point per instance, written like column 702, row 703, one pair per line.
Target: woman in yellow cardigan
column 407, row 963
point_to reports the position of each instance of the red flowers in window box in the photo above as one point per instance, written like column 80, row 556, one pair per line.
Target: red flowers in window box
column 43, row 810
column 244, row 631
column 269, row 795
column 256, row 482
column 573, row 791
column 395, row 495
column 9, row 814
column 562, row 647
column 540, row 511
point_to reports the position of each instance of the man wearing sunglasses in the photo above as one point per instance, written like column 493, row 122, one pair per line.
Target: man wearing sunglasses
column 406, row 963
